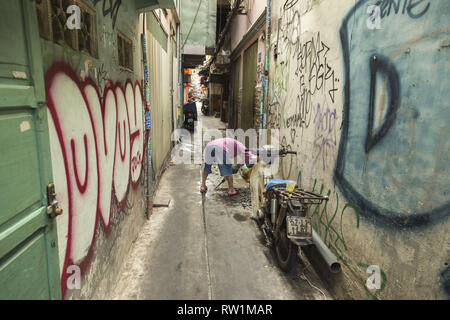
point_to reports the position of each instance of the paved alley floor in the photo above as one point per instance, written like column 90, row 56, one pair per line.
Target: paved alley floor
column 207, row 247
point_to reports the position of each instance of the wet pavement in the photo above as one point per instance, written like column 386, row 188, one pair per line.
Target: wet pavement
column 206, row 246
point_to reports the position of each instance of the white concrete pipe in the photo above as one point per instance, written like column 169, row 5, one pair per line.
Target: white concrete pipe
column 327, row 255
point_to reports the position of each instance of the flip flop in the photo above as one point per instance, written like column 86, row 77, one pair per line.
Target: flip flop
column 233, row 194
column 204, row 190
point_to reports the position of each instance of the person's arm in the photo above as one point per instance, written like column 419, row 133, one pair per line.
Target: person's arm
column 240, row 149
column 250, row 156
column 247, row 154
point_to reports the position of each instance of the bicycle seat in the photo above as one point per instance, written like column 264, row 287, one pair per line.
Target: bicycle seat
column 279, row 183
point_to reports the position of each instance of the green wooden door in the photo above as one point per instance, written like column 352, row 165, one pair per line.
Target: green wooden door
column 29, row 267
column 249, row 84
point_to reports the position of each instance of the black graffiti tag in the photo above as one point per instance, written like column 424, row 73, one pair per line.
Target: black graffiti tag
column 412, row 7
column 380, row 64
column 289, row 4
column 112, row 10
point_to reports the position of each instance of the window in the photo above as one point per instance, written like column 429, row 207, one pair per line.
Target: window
column 52, row 18
column 125, row 51
column 87, row 35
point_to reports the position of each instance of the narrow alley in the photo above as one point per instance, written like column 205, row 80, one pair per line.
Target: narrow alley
column 210, row 150
column 207, row 247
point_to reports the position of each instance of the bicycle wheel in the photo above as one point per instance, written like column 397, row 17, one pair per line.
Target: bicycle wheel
column 286, row 250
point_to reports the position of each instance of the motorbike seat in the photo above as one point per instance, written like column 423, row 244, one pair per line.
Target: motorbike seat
column 279, row 183
column 192, row 108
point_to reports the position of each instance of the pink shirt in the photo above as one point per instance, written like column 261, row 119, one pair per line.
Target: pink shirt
column 232, row 147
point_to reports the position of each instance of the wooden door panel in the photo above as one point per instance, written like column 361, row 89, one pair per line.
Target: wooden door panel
column 29, row 266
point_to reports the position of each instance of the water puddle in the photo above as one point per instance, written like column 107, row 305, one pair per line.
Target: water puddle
column 240, row 217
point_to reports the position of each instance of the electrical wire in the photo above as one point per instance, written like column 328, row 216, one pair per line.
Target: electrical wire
column 193, row 22
column 313, row 286
column 304, row 277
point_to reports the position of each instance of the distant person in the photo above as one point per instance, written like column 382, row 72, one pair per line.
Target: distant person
column 222, row 151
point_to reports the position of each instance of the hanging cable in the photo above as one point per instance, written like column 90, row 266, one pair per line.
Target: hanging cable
column 193, row 22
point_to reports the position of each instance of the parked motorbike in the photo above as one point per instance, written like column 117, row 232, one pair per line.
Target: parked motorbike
column 189, row 120
column 190, row 115
column 283, row 213
column 205, row 107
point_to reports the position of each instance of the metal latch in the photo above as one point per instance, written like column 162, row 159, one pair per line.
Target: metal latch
column 52, row 210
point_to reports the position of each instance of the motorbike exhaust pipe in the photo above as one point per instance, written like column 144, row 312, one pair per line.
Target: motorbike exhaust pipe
column 273, row 210
column 327, row 255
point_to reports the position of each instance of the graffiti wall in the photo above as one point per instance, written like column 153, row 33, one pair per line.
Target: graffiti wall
column 97, row 140
column 358, row 88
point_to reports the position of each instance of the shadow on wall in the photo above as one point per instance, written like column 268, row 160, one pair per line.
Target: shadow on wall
column 97, row 148
column 445, row 279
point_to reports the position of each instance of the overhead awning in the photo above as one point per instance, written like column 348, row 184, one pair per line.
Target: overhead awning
column 192, row 61
column 148, row 5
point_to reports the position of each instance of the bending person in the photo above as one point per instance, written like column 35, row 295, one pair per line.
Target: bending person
column 223, row 151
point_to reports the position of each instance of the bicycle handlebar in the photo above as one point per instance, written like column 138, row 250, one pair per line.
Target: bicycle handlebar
column 269, row 152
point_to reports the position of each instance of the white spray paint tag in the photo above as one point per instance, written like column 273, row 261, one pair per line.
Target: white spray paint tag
column 24, row 126
column 19, row 75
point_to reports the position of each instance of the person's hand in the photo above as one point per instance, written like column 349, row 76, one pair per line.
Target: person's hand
column 253, row 158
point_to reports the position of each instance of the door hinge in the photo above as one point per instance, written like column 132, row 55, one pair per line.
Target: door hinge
column 53, row 210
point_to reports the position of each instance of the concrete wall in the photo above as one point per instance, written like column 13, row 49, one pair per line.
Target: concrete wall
column 97, row 137
column 243, row 22
column 367, row 111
